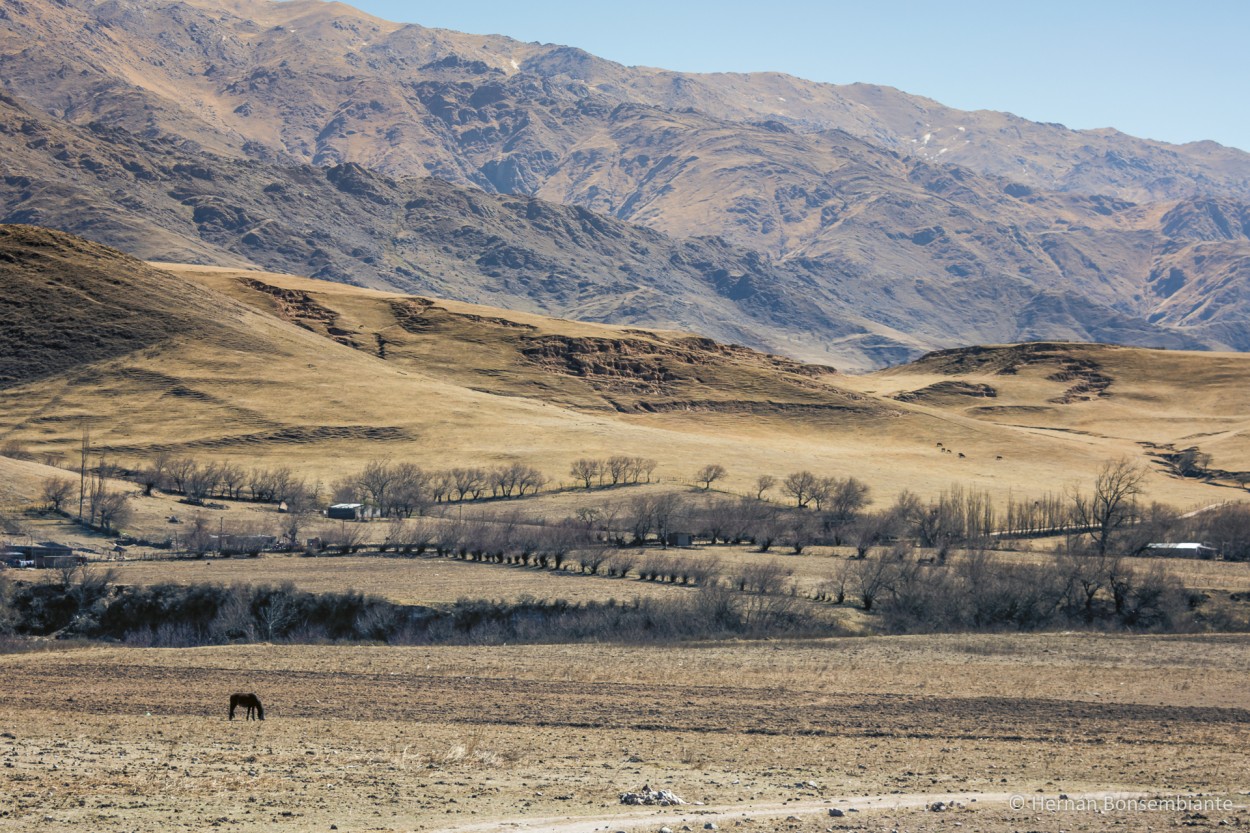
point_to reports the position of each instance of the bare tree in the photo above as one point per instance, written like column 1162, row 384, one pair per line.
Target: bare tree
column 800, row 530
column 1228, row 529
column 531, row 480
column 669, row 511
column 287, row 487
column 1113, row 503
column 300, row 508
column 469, row 482
column 232, row 479
column 262, row 484
column 821, row 490
column 800, row 485
column 846, row 498
column 766, row 528
column 201, row 481
column 410, row 491
column 1084, row 578
column 640, row 467
column 152, row 475
column 514, row 478
column 348, row 537
column 180, row 471
column 709, row 474
column 441, row 486
column 586, row 470
column 375, row 483
column 618, row 468
column 763, row 577
column 112, row 510
column 872, row 528
column 719, row 520
column 870, row 577
column 57, row 490
column 199, row 537
column 762, row 484
column 346, row 490
column 640, row 518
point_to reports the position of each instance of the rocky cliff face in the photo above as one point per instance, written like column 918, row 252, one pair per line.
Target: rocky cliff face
column 857, row 225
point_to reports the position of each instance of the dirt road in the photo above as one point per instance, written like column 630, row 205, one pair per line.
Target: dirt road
column 693, row 815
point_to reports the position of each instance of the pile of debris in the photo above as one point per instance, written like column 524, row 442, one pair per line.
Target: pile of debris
column 661, row 798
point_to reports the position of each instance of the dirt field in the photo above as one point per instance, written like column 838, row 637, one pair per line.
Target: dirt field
column 367, row 738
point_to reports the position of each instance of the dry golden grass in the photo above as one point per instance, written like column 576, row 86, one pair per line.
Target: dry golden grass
column 441, row 738
column 418, row 581
column 1154, row 396
column 455, row 389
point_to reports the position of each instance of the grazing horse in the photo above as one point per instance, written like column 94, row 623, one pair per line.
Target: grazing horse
column 249, row 701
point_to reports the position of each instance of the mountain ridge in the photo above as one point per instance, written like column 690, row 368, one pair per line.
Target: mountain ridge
column 894, row 248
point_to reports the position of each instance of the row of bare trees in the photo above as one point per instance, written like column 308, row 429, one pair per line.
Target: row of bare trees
column 202, row 480
column 404, row 489
column 612, row 471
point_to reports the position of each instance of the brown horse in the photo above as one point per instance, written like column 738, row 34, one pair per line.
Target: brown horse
column 250, row 702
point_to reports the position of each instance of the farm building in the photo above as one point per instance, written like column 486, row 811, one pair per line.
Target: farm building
column 351, row 512
column 44, row 555
column 679, row 539
column 1185, row 550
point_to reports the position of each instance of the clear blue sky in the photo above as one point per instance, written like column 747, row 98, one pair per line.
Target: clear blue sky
column 1175, row 71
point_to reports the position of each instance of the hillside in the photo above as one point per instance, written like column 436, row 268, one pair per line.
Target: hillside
column 322, row 377
column 1164, row 401
column 66, row 302
column 858, row 226
column 318, row 376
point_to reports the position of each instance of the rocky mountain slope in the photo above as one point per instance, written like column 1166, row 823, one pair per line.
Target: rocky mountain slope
column 346, row 223
column 902, row 225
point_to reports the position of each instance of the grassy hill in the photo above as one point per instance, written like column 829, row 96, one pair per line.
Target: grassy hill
column 252, row 366
column 1160, row 400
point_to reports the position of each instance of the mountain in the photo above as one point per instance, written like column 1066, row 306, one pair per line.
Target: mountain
column 258, row 367
column 156, row 198
column 866, row 225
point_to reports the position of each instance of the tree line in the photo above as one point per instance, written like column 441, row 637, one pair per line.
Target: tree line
column 977, row 592
column 87, row 604
column 1107, row 515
